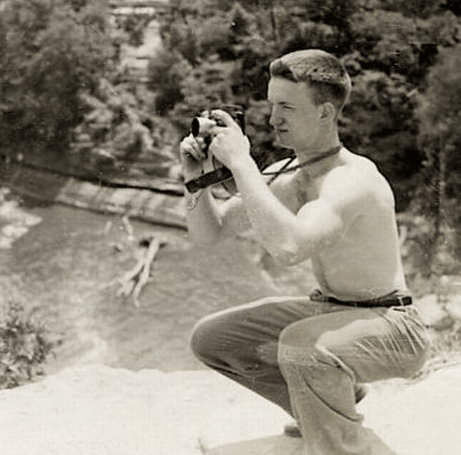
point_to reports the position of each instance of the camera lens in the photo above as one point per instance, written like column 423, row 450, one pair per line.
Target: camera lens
column 195, row 127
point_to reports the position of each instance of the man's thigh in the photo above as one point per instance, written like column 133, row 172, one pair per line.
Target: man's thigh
column 252, row 330
column 372, row 344
column 265, row 318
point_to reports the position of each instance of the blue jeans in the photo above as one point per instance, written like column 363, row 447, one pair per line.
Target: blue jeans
column 308, row 356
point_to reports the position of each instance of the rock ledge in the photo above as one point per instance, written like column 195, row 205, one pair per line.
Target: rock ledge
column 103, row 411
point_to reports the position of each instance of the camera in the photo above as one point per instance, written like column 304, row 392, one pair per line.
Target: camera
column 202, row 126
column 214, row 171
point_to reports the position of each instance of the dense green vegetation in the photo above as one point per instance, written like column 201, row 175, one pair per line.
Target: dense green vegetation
column 60, row 78
column 61, row 83
column 217, row 52
column 64, row 100
column 25, row 344
column 404, row 59
column 50, row 51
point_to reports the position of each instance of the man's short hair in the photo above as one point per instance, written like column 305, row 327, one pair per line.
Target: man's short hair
column 320, row 70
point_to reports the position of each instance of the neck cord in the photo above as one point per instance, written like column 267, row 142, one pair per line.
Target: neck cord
column 285, row 169
column 191, row 204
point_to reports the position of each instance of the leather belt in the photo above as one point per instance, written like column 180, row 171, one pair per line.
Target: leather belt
column 387, row 303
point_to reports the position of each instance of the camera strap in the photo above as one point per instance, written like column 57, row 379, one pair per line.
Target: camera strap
column 223, row 174
column 316, row 159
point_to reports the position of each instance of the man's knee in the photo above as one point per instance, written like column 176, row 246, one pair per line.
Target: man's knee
column 300, row 347
column 297, row 339
column 225, row 331
column 201, row 339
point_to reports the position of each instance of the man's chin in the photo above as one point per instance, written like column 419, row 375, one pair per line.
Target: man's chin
column 285, row 144
column 282, row 138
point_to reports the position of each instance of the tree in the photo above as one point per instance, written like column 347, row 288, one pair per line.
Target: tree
column 51, row 51
column 439, row 114
column 166, row 72
column 388, row 47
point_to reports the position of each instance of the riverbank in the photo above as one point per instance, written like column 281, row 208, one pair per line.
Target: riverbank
column 67, row 271
column 65, row 264
column 158, row 202
column 14, row 222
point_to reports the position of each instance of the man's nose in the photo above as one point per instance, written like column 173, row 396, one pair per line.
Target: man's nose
column 275, row 119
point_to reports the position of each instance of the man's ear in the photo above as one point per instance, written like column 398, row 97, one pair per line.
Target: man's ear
column 327, row 111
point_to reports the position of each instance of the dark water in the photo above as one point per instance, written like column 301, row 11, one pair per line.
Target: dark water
column 66, row 267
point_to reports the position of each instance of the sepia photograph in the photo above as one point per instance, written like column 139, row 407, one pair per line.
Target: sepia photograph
column 230, row 227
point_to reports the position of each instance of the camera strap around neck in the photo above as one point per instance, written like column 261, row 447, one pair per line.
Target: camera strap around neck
column 316, row 159
column 222, row 174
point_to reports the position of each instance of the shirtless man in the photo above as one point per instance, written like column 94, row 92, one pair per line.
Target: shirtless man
column 310, row 354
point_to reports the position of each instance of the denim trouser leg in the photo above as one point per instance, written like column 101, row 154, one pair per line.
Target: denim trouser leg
column 323, row 357
column 242, row 343
column 307, row 358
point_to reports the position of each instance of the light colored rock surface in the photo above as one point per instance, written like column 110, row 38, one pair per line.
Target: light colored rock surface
column 160, row 203
column 98, row 410
column 14, row 222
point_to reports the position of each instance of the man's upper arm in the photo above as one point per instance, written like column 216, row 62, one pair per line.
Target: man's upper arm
column 321, row 222
column 318, row 225
column 233, row 218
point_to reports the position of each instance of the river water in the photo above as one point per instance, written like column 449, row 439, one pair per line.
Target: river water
column 67, row 268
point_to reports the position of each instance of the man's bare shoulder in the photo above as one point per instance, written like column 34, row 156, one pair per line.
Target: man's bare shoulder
column 353, row 165
column 356, row 180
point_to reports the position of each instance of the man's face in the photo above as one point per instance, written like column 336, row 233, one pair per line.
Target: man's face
column 294, row 116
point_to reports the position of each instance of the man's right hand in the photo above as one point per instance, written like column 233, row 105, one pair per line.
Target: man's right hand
column 192, row 156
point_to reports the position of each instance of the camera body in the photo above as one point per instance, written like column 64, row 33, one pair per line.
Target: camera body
column 203, row 125
column 214, row 171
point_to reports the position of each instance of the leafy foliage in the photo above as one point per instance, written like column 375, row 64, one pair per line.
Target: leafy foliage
column 119, row 135
column 388, row 47
column 50, row 52
column 439, row 115
column 53, row 54
column 25, row 345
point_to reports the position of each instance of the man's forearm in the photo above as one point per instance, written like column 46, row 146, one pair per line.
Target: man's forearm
column 203, row 217
column 272, row 222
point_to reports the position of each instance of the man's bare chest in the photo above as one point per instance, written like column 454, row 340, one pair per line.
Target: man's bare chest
column 300, row 192
column 305, row 192
column 298, row 189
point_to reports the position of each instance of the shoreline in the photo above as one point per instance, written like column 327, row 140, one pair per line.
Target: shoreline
column 163, row 207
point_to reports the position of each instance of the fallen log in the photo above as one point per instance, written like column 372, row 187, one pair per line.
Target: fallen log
column 134, row 281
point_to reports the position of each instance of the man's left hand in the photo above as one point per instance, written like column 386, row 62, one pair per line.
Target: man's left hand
column 229, row 145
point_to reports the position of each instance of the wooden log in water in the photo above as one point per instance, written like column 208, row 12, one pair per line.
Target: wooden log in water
column 135, row 280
